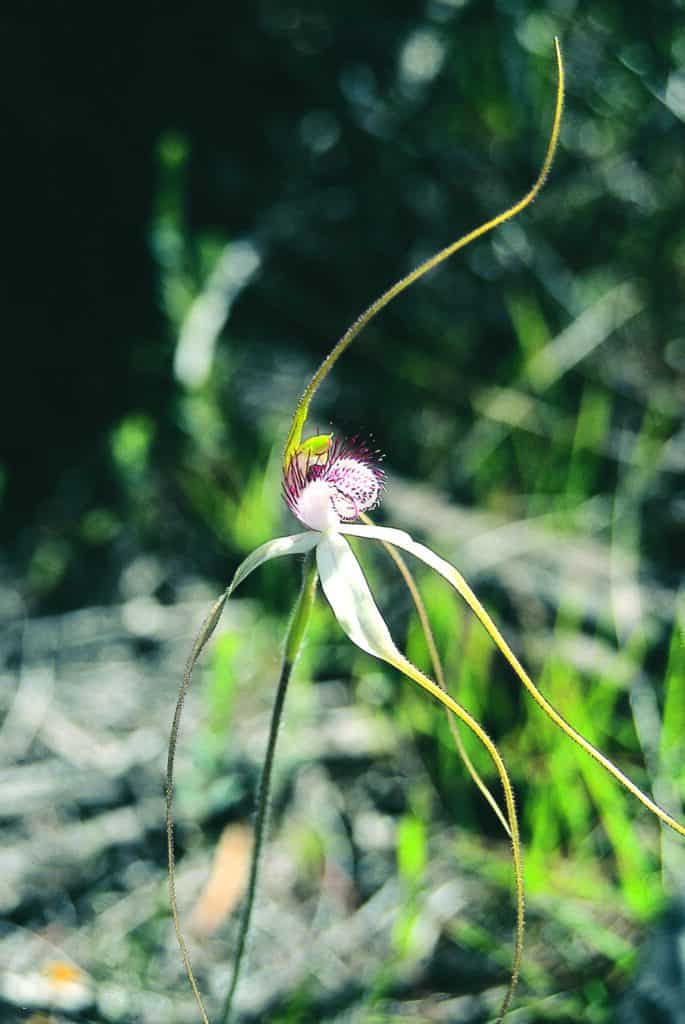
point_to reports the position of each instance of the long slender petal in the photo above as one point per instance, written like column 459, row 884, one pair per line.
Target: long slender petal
column 448, row 572
column 296, row 544
column 348, row 594
column 438, row 672
column 384, row 533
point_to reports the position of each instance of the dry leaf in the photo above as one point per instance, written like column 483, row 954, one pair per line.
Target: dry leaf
column 226, row 883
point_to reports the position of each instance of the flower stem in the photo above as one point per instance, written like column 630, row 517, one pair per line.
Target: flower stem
column 206, row 630
column 293, row 643
column 351, row 333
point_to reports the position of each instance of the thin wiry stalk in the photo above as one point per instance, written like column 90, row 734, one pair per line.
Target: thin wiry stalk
column 406, row 667
column 436, row 662
column 206, row 630
column 296, row 630
column 429, row 264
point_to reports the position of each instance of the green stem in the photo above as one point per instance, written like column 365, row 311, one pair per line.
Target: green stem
column 206, row 630
column 300, row 417
column 293, row 643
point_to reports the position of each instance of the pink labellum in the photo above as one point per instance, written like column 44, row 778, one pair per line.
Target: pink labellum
column 338, row 485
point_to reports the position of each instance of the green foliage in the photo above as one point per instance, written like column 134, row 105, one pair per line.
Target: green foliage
column 672, row 748
column 131, row 442
column 411, row 849
column 412, row 858
column 220, row 692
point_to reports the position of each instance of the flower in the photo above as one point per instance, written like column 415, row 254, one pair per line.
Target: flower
column 328, row 483
column 331, row 484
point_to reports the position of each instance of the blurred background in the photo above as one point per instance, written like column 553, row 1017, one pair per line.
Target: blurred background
column 196, row 206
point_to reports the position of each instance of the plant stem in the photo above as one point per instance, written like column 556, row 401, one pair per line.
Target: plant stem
column 293, row 643
column 351, row 333
column 206, row 630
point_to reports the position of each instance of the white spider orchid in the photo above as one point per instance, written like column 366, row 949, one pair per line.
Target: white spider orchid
column 328, row 484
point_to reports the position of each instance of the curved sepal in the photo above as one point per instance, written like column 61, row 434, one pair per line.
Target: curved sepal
column 297, row 544
column 456, row 580
column 349, row 596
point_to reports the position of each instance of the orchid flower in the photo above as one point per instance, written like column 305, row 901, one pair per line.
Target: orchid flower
column 329, row 484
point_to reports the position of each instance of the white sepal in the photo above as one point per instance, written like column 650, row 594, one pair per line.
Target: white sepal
column 294, row 545
column 403, row 540
column 349, row 596
column 390, row 535
column 400, row 539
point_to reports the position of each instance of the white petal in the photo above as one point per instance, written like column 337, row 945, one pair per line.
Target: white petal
column 294, row 545
column 403, row 540
column 349, row 596
column 386, row 533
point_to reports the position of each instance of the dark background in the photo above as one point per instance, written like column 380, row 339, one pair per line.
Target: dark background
column 297, row 127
